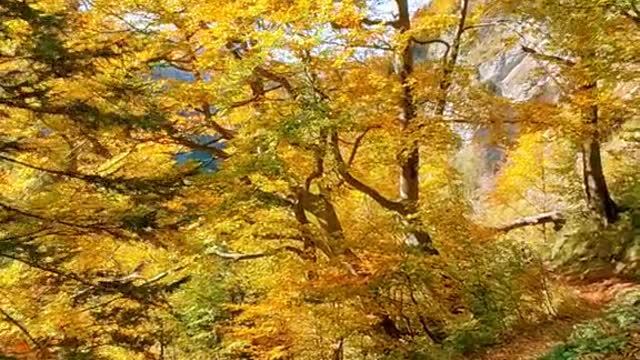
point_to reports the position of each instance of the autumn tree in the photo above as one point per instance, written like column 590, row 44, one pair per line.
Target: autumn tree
column 594, row 66
column 274, row 179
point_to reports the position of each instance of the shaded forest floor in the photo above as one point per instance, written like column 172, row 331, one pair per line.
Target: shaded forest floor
column 554, row 338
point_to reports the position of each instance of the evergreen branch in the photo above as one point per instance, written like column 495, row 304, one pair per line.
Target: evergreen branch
column 115, row 184
column 92, row 227
column 34, row 265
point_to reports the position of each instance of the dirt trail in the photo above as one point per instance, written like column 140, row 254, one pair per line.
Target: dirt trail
column 531, row 343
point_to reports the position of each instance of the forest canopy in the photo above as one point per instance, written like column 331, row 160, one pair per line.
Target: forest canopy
column 319, row 179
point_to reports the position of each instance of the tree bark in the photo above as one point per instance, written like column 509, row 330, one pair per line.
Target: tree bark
column 333, row 246
column 410, row 159
column 409, row 181
column 596, row 191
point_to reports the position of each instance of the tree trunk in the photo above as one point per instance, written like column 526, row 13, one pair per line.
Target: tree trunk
column 595, row 185
column 597, row 193
column 410, row 160
column 334, row 244
column 338, row 351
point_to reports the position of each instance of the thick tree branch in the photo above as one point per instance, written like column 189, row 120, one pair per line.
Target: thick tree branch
column 435, row 41
column 550, row 217
column 208, row 116
column 373, row 22
column 343, row 170
column 317, row 172
column 319, row 155
column 280, row 79
column 634, row 16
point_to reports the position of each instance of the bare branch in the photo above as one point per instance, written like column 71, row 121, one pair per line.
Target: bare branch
column 451, row 62
column 120, row 184
column 547, row 57
column 554, row 217
column 383, row 47
column 164, row 274
column 250, row 256
column 257, row 96
column 457, row 42
column 47, row 170
column 487, row 24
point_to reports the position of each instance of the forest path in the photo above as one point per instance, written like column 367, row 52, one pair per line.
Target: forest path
column 533, row 342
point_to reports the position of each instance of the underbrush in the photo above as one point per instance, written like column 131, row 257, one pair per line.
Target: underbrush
column 505, row 290
column 614, row 335
column 592, row 252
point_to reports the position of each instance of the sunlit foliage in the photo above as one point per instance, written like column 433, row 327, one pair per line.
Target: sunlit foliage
column 278, row 179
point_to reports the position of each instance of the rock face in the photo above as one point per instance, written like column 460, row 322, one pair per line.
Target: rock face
column 511, row 75
column 503, row 67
